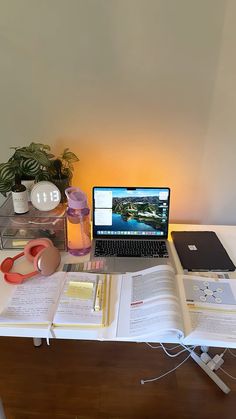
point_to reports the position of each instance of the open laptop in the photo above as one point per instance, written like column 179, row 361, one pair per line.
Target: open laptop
column 130, row 227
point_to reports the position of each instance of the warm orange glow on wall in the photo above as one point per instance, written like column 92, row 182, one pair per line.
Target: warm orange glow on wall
column 138, row 160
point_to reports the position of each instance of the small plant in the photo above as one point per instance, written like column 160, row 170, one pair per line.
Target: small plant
column 63, row 166
column 36, row 162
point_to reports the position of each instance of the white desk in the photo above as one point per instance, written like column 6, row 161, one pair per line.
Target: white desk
column 227, row 235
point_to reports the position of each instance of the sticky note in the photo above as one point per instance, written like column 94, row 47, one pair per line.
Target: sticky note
column 84, row 266
column 82, row 290
column 16, row 243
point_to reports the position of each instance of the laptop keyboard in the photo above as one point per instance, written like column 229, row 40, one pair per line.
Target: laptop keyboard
column 131, row 248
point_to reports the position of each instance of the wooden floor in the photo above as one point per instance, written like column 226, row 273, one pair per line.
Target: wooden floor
column 81, row 379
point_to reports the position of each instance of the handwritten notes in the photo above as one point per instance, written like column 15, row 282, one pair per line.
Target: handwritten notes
column 34, row 301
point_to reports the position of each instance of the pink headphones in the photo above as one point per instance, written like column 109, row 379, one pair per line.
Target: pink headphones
column 41, row 252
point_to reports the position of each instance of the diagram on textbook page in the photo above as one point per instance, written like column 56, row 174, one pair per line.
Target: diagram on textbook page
column 208, row 291
column 211, row 305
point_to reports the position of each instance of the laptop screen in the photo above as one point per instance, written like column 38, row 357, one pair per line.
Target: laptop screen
column 130, row 212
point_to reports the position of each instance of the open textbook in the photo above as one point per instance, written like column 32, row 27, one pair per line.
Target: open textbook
column 141, row 306
column 156, row 302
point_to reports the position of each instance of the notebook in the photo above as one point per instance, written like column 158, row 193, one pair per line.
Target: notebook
column 201, row 251
column 130, row 227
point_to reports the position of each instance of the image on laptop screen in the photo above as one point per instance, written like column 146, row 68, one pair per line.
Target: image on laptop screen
column 124, row 212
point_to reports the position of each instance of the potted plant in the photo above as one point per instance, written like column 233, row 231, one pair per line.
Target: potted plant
column 30, row 162
column 61, row 171
column 38, row 163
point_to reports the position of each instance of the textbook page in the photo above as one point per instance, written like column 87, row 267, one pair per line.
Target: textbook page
column 212, row 308
column 149, row 304
column 34, row 301
column 84, row 300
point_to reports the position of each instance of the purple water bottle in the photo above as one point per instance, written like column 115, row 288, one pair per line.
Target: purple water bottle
column 78, row 222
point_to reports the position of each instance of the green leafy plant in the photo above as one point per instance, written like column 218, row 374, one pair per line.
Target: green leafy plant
column 36, row 162
column 63, row 166
column 61, row 171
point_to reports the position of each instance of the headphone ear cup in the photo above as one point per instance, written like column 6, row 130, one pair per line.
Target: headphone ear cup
column 44, row 255
column 7, row 264
column 47, row 261
column 35, row 246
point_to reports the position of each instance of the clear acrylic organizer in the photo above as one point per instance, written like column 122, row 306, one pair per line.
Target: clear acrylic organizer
column 16, row 230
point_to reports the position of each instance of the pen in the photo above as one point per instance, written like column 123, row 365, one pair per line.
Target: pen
column 97, row 306
column 95, row 291
column 97, row 295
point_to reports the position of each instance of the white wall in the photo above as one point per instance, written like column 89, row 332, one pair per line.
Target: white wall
column 142, row 90
column 219, row 169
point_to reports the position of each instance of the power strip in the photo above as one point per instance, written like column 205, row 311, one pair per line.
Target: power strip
column 210, row 373
column 213, row 363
